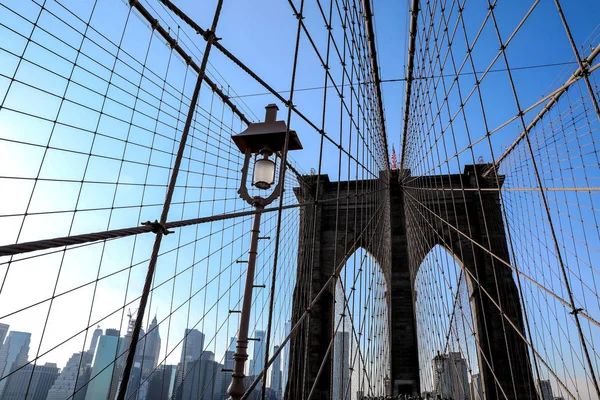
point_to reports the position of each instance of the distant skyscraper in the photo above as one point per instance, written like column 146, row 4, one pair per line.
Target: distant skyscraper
column 341, row 366
column 476, row 388
column 232, row 344
column 259, row 353
column 276, row 375
column 31, row 382
column 229, row 359
column 203, row 380
column 286, row 357
column 95, row 337
column 162, row 383
column 99, row 387
column 151, row 350
column 74, row 375
column 545, row 389
column 3, row 331
column 13, row 354
column 193, row 344
column 208, row 356
column 450, row 376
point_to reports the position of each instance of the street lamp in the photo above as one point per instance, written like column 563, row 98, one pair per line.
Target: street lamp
column 386, row 386
column 265, row 141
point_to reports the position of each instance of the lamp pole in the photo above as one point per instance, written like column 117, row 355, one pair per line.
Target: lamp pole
column 265, row 139
column 237, row 388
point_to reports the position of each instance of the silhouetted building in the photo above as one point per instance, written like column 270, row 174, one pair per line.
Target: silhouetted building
column 151, row 351
column 13, row 354
column 31, row 382
column 276, row 375
column 73, row 378
column 341, row 366
column 258, row 360
column 450, row 376
column 3, row 332
column 95, row 337
column 162, row 383
column 229, row 361
column 286, row 357
column 545, row 389
column 476, row 388
column 203, row 380
column 100, row 386
column 193, row 344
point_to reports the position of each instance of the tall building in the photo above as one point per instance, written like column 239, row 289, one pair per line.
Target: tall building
column 72, row 378
column 341, row 366
column 545, row 389
column 151, row 350
column 276, row 375
column 259, row 353
column 95, row 337
column 193, row 344
column 141, row 350
column 450, row 376
column 286, row 358
column 229, row 360
column 13, row 354
column 3, row 331
column 476, row 388
column 202, row 380
column 31, row 382
column 99, row 387
column 162, row 383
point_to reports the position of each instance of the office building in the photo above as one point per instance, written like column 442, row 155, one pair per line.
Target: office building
column 545, row 389
column 476, row 388
column 3, row 332
column 151, row 350
column 286, row 358
column 73, row 378
column 95, row 337
column 341, row 366
column 162, row 383
column 259, row 353
column 31, row 382
column 276, row 375
column 102, row 371
column 450, row 376
column 13, row 354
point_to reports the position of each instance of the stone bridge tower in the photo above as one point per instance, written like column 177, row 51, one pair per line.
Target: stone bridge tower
column 398, row 220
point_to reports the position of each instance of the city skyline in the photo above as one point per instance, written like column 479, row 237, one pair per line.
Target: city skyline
column 98, row 362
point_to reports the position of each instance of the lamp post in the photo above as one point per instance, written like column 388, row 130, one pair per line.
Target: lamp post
column 386, row 386
column 265, row 141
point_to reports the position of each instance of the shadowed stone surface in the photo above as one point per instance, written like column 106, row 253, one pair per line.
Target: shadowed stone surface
column 398, row 220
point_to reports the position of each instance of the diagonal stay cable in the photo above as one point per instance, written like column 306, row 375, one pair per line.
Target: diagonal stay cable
column 20, row 248
column 561, row 300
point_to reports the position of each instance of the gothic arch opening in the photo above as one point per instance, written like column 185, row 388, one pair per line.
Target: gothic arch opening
column 360, row 354
column 446, row 327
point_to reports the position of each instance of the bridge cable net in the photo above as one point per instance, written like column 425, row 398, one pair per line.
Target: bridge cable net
column 124, row 244
column 500, row 175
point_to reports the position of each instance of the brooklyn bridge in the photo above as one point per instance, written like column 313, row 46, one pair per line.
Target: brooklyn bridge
column 302, row 199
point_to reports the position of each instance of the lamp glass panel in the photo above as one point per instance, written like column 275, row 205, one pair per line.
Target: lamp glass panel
column 264, row 172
